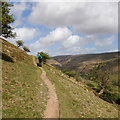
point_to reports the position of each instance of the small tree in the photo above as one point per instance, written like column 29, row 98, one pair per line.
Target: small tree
column 26, row 49
column 64, row 71
column 19, row 43
column 70, row 74
column 7, row 18
column 45, row 56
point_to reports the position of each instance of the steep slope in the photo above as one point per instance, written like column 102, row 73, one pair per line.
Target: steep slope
column 24, row 93
column 76, row 100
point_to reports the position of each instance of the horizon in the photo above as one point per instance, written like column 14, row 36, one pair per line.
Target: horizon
column 89, row 53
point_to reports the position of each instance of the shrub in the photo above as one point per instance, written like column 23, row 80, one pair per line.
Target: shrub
column 45, row 56
column 100, row 74
column 64, row 71
column 26, row 49
column 110, row 97
column 78, row 77
column 90, row 85
column 19, row 43
column 70, row 74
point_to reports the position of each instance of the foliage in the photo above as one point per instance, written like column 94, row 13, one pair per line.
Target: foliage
column 90, row 85
column 110, row 97
column 115, row 83
column 45, row 56
column 64, row 71
column 7, row 18
column 26, row 49
column 19, row 43
column 70, row 74
column 100, row 74
column 78, row 77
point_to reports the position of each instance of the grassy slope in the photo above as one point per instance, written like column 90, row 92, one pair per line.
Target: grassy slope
column 83, row 63
column 24, row 94
column 77, row 101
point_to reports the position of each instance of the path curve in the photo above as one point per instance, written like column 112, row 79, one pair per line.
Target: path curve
column 52, row 108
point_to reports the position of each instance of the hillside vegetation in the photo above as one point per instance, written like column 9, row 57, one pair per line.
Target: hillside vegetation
column 24, row 94
column 76, row 100
column 82, row 66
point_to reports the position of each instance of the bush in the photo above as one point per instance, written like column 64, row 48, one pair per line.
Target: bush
column 97, row 89
column 90, row 85
column 19, row 43
column 45, row 56
column 78, row 77
column 115, row 83
column 110, row 97
column 64, row 71
column 26, row 49
column 70, row 74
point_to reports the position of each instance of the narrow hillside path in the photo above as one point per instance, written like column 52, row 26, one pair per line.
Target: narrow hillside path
column 52, row 108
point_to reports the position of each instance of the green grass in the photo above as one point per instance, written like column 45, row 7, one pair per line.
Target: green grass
column 24, row 94
column 76, row 101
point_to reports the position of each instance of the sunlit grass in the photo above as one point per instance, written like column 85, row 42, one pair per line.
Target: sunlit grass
column 24, row 93
column 76, row 101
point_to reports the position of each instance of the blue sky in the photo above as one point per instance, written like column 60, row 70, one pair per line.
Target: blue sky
column 61, row 28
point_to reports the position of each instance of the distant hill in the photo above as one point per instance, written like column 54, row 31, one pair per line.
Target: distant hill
column 85, row 61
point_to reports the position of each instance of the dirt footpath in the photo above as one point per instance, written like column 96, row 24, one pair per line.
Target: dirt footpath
column 52, row 108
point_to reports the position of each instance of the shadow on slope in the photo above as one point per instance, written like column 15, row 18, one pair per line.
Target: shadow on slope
column 6, row 57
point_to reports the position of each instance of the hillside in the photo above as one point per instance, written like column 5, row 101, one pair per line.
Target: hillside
column 82, row 65
column 25, row 94
column 78, row 62
column 76, row 100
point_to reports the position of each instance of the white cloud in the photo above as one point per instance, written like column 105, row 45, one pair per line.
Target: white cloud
column 59, row 34
column 56, row 35
column 68, row 43
column 105, row 42
column 88, row 18
column 71, row 41
column 24, row 34
column 17, row 11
